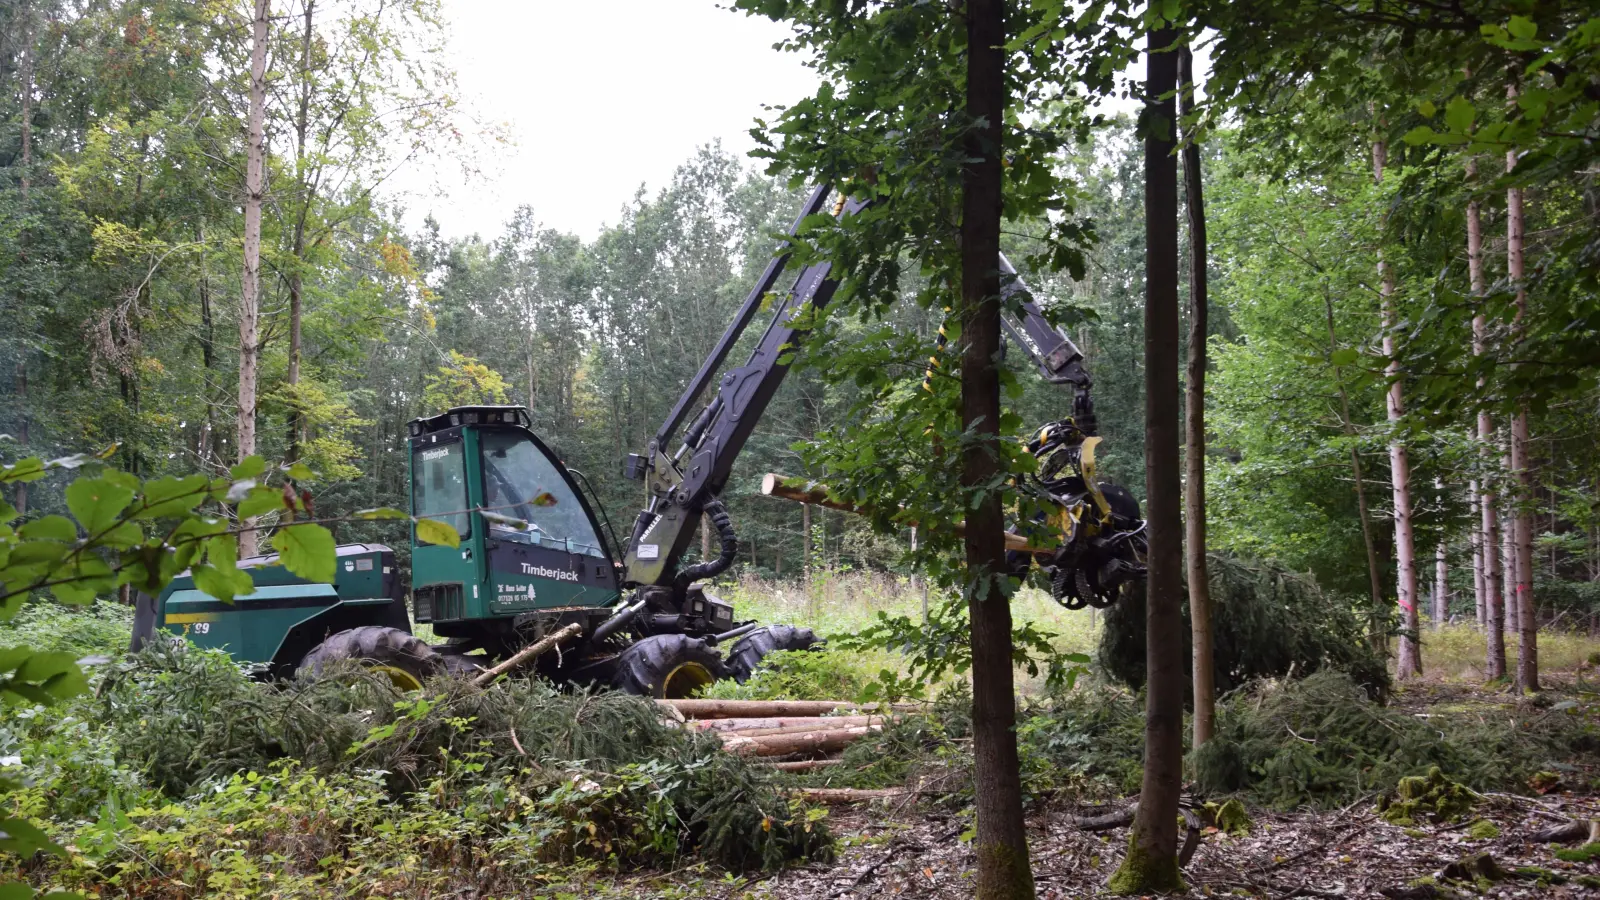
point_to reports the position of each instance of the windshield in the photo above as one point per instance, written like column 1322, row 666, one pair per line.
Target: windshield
column 439, row 485
column 526, row 499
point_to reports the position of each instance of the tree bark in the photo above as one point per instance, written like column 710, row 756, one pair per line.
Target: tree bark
column 1410, row 661
column 25, row 183
column 1489, row 520
column 1527, row 624
column 1003, row 868
column 1441, row 597
column 249, row 300
column 1194, row 453
column 303, row 191
column 1151, row 864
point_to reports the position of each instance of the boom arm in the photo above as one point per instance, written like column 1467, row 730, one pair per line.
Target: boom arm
column 686, row 483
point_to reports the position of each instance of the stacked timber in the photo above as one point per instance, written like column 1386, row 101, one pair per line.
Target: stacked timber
column 780, row 730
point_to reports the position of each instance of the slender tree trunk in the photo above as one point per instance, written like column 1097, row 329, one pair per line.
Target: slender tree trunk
column 1527, row 624
column 1508, row 562
column 1151, row 864
column 1475, row 543
column 249, row 301
column 208, row 356
column 1441, row 597
column 1004, row 870
column 1194, row 454
column 1489, row 528
column 25, row 183
column 297, row 416
column 805, row 540
column 1410, row 662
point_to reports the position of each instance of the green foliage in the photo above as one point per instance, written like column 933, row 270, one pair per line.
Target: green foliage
column 191, row 720
column 1265, row 622
column 1092, row 737
column 801, row 675
column 463, row 381
column 1231, row 817
column 1322, row 740
column 1483, row 830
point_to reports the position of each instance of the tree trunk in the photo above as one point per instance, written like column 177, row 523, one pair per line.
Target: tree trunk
column 805, row 541
column 1151, row 864
column 25, row 76
column 1410, row 662
column 297, row 416
column 1527, row 624
column 1194, row 453
column 1508, row 562
column 1475, row 542
column 1441, row 598
column 249, row 301
column 1001, row 846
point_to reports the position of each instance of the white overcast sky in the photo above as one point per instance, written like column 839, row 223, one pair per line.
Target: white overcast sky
column 598, row 97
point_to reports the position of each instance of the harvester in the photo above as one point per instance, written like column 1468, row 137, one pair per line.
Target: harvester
column 533, row 559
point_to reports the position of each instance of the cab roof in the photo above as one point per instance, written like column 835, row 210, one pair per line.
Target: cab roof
column 457, row 416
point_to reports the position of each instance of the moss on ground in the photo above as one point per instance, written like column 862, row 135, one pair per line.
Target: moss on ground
column 1141, row 873
column 1431, row 796
column 1483, row 830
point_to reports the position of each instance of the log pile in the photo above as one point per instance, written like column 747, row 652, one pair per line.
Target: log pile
column 793, row 735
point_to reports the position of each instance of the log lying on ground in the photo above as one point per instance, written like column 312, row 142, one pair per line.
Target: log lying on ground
column 847, row 795
column 810, row 725
column 800, row 490
column 797, row 742
column 770, row 722
column 805, row 765
column 1566, row 834
column 757, row 709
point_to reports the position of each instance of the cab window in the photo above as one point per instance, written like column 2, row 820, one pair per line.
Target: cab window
column 439, row 485
column 527, row 500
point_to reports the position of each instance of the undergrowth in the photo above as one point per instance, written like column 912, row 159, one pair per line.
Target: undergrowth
column 805, row 675
column 180, row 763
column 1321, row 740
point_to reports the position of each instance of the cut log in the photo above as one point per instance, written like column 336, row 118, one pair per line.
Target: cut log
column 529, row 653
column 756, row 709
column 815, row 725
column 783, row 722
column 1566, row 834
column 800, row 490
column 804, row 765
column 800, row 742
column 847, row 795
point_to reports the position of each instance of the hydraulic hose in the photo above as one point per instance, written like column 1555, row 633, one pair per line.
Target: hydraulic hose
column 730, row 548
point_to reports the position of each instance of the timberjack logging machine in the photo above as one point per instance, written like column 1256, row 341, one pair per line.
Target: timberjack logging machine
column 533, row 558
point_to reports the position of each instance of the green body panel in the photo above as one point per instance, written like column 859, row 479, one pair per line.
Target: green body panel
column 501, row 577
column 259, row 627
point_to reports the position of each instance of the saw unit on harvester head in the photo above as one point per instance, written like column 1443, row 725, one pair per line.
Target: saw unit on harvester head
column 534, row 560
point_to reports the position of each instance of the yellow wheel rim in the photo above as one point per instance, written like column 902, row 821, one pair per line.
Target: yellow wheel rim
column 400, row 678
column 683, row 681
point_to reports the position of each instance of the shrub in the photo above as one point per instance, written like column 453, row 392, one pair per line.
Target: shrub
column 802, row 675
column 1266, row 623
column 102, row 628
column 1090, row 736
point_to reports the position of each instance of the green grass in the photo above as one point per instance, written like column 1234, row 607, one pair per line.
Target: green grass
column 1457, row 651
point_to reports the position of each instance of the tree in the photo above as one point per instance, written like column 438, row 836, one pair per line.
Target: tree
column 250, row 283
column 1489, row 520
column 1151, row 864
column 1004, row 870
column 1521, row 472
column 1194, row 445
column 1405, row 552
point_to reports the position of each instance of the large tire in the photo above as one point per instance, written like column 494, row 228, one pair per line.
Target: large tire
column 667, row 667
column 398, row 654
column 751, row 649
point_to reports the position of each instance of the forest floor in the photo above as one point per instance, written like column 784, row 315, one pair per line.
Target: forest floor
column 903, row 849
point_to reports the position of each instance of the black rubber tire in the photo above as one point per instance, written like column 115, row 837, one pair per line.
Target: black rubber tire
column 403, row 655
column 750, row 650
column 666, row 667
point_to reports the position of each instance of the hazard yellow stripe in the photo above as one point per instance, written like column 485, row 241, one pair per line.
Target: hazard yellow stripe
column 189, row 618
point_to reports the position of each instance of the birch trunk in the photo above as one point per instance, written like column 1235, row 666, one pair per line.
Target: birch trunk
column 1410, row 661
column 249, row 299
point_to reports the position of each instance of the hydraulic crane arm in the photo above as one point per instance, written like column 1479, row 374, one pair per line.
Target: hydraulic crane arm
column 685, row 482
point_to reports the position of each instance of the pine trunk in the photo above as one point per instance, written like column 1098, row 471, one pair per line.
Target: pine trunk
column 1151, row 864
column 249, row 300
column 1004, row 870
column 1441, row 596
column 1410, row 662
column 1527, row 623
column 1194, row 454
